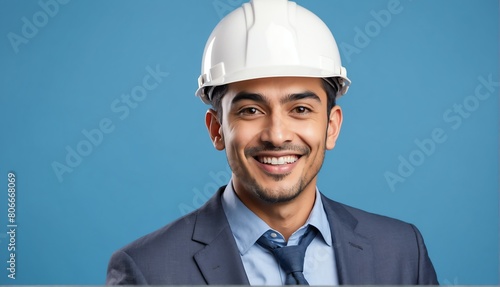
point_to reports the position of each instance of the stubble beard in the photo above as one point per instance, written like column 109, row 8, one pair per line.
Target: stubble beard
column 282, row 195
column 274, row 196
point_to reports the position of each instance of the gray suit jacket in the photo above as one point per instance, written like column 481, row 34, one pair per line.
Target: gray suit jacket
column 200, row 249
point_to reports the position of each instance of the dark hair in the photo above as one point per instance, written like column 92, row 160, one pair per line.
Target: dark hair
column 219, row 91
column 216, row 99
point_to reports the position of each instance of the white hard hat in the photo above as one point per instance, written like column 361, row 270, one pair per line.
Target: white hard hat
column 270, row 38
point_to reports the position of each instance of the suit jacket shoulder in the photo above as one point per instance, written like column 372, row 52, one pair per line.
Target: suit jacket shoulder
column 198, row 248
column 375, row 249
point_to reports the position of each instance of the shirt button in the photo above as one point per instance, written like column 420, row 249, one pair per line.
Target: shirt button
column 274, row 235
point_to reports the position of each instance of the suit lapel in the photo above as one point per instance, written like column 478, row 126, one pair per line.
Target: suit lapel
column 353, row 252
column 219, row 262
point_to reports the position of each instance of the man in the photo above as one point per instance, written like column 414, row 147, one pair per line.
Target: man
column 271, row 71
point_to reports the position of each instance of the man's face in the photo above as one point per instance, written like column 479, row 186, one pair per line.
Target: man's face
column 275, row 132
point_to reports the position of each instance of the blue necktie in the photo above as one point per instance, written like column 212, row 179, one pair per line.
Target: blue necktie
column 291, row 258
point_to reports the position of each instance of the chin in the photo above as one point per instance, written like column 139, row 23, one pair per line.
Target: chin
column 279, row 193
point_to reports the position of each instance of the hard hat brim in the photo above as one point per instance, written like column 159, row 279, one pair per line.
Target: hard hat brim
column 219, row 78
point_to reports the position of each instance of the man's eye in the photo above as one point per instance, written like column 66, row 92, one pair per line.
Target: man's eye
column 301, row 110
column 248, row 111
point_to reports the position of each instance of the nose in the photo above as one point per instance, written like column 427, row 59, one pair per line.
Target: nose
column 277, row 130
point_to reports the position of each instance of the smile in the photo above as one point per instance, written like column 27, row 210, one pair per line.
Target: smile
column 277, row 160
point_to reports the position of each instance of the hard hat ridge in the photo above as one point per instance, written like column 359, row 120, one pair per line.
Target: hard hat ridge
column 270, row 38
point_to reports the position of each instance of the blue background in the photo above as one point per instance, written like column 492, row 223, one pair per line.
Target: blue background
column 157, row 163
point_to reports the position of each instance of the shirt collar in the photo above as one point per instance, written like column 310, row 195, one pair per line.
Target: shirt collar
column 247, row 227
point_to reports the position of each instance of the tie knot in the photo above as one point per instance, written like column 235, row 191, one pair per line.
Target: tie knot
column 291, row 258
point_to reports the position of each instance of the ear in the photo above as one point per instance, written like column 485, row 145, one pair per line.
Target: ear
column 214, row 129
column 333, row 129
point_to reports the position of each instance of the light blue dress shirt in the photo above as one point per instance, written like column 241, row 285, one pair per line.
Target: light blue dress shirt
column 260, row 265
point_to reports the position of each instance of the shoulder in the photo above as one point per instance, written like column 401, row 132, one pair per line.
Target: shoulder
column 183, row 232
column 165, row 256
column 157, row 257
column 177, row 231
column 396, row 243
column 370, row 225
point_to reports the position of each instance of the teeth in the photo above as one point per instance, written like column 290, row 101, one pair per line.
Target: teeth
column 278, row 160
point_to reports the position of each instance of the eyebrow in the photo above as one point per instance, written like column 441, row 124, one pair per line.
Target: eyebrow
column 300, row 96
column 241, row 96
